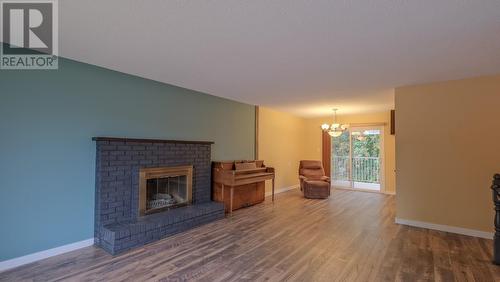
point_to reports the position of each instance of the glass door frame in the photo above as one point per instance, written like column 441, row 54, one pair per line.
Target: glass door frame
column 361, row 127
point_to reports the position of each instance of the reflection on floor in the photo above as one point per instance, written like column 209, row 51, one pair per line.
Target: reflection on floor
column 356, row 185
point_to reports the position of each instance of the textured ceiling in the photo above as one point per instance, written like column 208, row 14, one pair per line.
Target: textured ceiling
column 304, row 57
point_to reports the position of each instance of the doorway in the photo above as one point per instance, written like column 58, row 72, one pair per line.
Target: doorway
column 356, row 158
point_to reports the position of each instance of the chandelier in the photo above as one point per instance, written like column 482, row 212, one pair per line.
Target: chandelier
column 335, row 129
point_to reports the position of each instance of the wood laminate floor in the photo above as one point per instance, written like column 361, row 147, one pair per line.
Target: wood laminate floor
column 349, row 237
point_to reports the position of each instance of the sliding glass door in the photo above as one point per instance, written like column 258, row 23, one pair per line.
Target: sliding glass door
column 357, row 158
column 341, row 160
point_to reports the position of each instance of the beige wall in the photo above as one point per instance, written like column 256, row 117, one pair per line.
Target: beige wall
column 313, row 142
column 447, row 149
column 281, row 145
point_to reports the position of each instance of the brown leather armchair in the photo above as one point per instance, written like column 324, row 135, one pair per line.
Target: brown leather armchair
column 313, row 181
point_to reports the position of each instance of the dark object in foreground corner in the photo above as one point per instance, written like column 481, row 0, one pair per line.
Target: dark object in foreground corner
column 496, row 200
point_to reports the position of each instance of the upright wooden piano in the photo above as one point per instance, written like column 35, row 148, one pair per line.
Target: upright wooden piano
column 240, row 184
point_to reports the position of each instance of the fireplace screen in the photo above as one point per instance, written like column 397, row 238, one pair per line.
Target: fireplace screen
column 164, row 188
column 166, row 192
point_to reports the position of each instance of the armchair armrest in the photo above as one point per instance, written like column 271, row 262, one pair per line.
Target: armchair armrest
column 301, row 181
column 325, row 178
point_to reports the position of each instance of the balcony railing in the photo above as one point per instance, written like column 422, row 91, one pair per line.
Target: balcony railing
column 364, row 169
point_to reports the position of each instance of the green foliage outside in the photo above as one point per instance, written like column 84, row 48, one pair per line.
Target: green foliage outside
column 365, row 162
column 369, row 147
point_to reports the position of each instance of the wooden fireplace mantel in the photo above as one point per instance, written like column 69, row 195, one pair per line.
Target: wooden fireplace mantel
column 123, row 139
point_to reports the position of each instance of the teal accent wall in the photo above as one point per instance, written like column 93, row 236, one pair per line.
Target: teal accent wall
column 47, row 158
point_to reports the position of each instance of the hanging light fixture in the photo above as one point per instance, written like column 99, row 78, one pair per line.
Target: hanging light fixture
column 335, row 129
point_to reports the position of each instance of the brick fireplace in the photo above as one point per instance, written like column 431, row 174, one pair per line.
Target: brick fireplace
column 148, row 189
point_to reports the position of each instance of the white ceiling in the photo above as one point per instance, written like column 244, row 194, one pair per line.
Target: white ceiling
column 304, row 57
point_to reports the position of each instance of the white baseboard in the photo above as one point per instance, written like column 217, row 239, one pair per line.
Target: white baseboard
column 446, row 228
column 281, row 190
column 15, row 262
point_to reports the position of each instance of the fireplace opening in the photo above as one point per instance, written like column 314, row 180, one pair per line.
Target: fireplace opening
column 166, row 192
column 164, row 188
